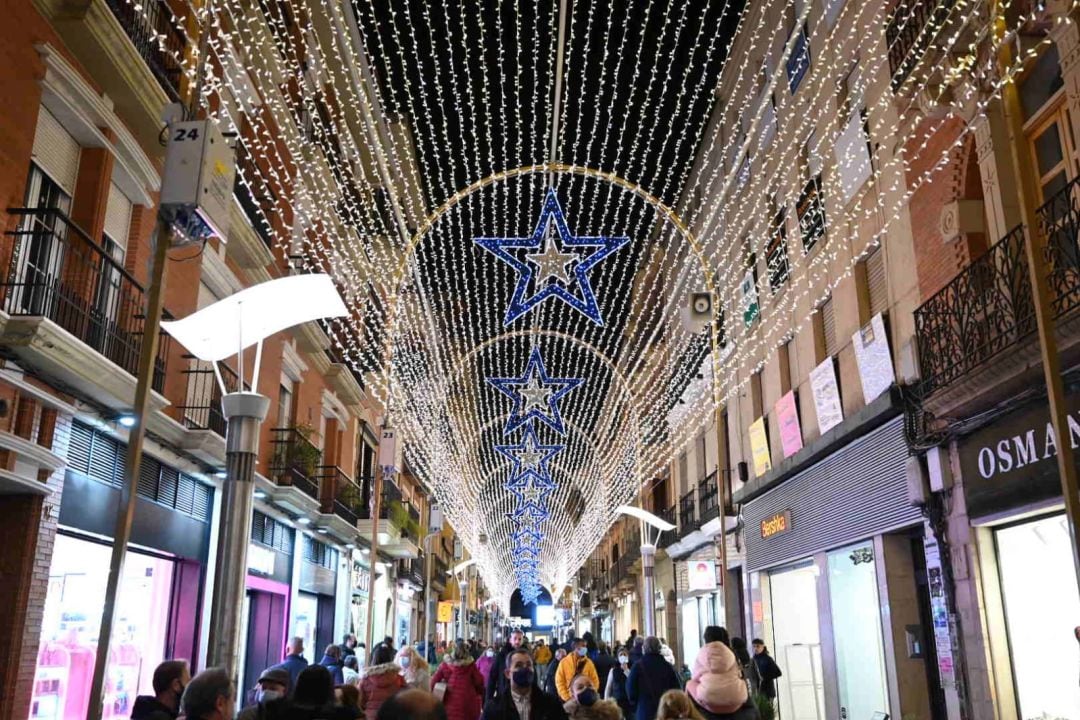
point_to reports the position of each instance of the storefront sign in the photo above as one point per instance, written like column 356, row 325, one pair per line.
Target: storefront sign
column 759, row 446
column 787, row 414
column 361, row 578
column 874, row 359
column 260, row 559
column 446, row 611
column 1013, row 461
column 826, row 396
column 701, row 575
column 777, row 524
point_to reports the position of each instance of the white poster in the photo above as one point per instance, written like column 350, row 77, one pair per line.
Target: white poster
column 826, row 396
column 701, row 575
column 874, row 359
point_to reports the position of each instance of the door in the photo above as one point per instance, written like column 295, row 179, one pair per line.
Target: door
column 860, row 656
column 40, row 252
column 265, row 635
column 797, row 643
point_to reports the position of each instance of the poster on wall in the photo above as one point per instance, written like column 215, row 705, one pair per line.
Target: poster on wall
column 787, row 415
column 701, row 575
column 826, row 396
column 874, row 359
column 446, row 611
column 749, row 303
column 939, row 612
column 759, row 446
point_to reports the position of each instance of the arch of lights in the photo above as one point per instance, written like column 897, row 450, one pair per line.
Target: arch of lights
column 466, row 90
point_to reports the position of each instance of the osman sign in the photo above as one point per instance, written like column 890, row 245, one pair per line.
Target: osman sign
column 1013, row 462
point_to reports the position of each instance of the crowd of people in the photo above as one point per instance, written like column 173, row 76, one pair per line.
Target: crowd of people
column 577, row 680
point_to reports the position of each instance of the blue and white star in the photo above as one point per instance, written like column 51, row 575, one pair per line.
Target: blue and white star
column 535, row 395
column 549, row 265
column 530, row 458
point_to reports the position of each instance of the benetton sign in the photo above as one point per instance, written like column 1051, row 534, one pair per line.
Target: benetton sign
column 1013, row 461
column 774, row 525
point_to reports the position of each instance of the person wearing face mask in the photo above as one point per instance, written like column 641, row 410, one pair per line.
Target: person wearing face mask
column 272, row 686
column 523, row 699
column 616, row 684
column 548, row 685
column 486, row 660
column 577, row 663
column 496, row 680
column 585, row 702
column 169, row 680
column 209, row 696
column 414, row 668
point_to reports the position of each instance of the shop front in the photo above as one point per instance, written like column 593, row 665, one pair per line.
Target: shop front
column 266, row 602
column 405, row 621
column 159, row 601
column 315, row 607
column 699, row 601
column 820, row 547
column 361, row 597
column 1013, row 498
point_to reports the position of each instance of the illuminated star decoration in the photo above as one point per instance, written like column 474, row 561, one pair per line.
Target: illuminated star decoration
column 547, row 268
column 530, row 458
column 535, row 395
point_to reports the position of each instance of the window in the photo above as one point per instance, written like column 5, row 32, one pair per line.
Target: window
column 828, row 327
column 756, row 401
column 799, row 59
column 874, row 284
column 1041, row 82
column 776, row 256
column 699, row 457
column 1050, row 151
column 684, row 471
column 285, row 406
column 783, row 356
column 811, row 214
column 852, row 148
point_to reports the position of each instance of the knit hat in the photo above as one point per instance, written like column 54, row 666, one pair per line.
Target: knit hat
column 716, row 683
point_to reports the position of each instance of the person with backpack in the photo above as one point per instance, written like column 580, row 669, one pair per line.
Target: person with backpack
column 574, row 664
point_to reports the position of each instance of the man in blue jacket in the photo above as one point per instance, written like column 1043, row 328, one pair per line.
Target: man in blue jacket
column 650, row 677
column 294, row 661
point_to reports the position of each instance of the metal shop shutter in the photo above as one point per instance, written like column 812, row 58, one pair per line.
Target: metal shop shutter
column 117, row 216
column 56, row 151
column 858, row 491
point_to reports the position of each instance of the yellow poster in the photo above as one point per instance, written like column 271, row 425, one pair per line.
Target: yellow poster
column 446, row 611
column 759, row 446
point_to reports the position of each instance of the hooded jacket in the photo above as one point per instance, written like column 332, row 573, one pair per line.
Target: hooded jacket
column 379, row 683
column 716, row 682
column 147, row 707
column 600, row 710
column 464, row 689
column 650, row 677
column 335, row 666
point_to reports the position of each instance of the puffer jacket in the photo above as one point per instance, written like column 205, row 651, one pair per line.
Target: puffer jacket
column 379, row 683
column 464, row 697
column 716, row 682
column 600, row 710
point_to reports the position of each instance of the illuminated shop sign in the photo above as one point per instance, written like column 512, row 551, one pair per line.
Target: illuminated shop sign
column 777, row 524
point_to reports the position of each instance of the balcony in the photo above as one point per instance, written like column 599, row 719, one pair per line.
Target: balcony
column 669, row 515
column 708, row 499
column 296, row 460
column 987, row 312
column 687, row 514
column 76, row 315
column 341, row 495
column 158, row 39
column 399, row 532
column 911, row 32
column 202, row 405
column 412, row 570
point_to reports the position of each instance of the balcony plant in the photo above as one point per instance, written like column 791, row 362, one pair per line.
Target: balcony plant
column 301, row 453
column 400, row 518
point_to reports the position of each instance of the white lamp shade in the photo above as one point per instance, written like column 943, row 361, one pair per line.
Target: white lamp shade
column 647, row 517
column 214, row 333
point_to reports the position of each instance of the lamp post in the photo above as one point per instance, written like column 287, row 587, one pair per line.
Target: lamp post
column 215, row 333
column 648, row 560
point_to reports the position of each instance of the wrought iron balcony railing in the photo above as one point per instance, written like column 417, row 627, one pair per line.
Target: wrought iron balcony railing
column 340, row 493
column 989, row 307
column 668, row 515
column 55, row 270
column 708, row 500
column 156, row 35
column 296, row 460
column 910, row 33
column 687, row 513
column 202, row 402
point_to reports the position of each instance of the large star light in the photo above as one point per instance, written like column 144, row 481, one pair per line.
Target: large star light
column 530, row 458
column 547, row 268
column 535, row 395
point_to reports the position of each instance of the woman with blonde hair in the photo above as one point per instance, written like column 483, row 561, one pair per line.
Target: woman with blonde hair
column 676, row 705
column 585, row 702
column 414, row 669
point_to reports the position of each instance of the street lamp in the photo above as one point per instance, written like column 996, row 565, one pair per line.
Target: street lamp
column 212, row 334
column 648, row 558
column 461, row 571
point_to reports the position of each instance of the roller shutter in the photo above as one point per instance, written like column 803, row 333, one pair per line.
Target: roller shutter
column 117, row 216
column 56, row 152
column 857, row 492
column 876, row 283
column 828, row 324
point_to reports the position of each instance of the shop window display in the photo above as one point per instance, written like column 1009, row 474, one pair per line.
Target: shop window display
column 72, row 618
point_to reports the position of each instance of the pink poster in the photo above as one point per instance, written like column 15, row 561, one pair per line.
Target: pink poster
column 790, row 431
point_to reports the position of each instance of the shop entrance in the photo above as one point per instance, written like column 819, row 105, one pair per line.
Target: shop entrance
column 797, row 642
column 314, row 622
column 265, row 613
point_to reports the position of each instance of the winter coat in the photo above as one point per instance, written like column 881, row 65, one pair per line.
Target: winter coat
column 335, row 668
column 570, row 667
column 604, row 663
column 746, row 712
column 147, row 707
column 541, row 707
column 417, row 677
column 292, row 664
column 549, row 679
column 636, row 653
column 484, row 665
column 464, row 689
column 351, row 677
column 768, row 671
column 616, row 690
column 716, row 682
column 650, row 677
column 543, row 655
column 496, row 681
column 600, row 710
column 379, row 683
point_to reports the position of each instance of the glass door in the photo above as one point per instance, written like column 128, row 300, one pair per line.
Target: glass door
column 856, row 614
column 797, row 643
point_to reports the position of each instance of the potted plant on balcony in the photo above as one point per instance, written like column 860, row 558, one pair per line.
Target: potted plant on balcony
column 301, row 453
column 400, row 518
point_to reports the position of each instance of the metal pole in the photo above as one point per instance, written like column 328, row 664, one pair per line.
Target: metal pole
column 1035, row 247
column 245, row 412
column 648, row 565
column 721, row 498
column 427, row 594
column 155, row 301
column 376, row 508
column 463, row 588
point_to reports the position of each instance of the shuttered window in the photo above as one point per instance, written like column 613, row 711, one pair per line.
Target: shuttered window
column 56, row 151
column 101, row 457
column 268, row 531
column 117, row 216
column 319, row 553
column 699, row 457
column 877, row 284
column 828, row 324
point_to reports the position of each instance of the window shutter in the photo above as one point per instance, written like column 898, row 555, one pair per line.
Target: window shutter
column 828, row 323
column 876, row 283
column 168, row 490
column 79, row 447
column 56, row 151
column 148, row 478
column 106, row 464
column 117, row 216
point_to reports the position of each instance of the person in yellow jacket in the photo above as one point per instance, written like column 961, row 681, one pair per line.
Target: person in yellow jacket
column 574, row 664
column 541, row 656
